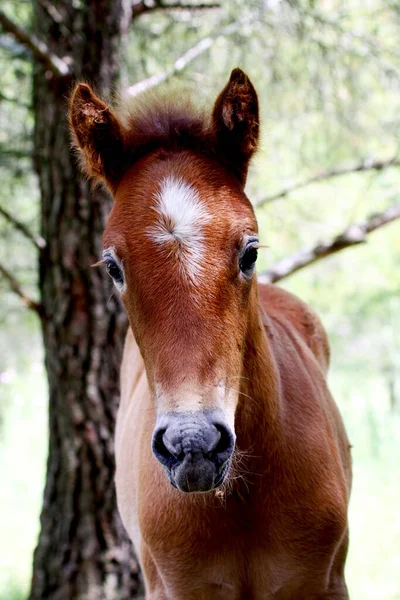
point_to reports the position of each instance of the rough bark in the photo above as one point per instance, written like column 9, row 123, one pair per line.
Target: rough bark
column 82, row 550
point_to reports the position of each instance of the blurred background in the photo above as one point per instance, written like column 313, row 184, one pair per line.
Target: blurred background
column 328, row 77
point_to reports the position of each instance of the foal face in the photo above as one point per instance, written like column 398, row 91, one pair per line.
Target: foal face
column 181, row 242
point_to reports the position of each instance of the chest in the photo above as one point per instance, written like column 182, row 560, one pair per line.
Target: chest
column 232, row 550
column 236, row 572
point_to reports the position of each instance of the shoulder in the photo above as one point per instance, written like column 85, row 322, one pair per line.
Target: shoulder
column 291, row 311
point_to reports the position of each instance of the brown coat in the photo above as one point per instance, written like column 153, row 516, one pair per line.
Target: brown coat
column 283, row 523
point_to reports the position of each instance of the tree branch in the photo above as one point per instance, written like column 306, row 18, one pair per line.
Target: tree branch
column 37, row 241
column 40, row 51
column 181, row 63
column 352, row 235
column 142, row 7
column 14, row 285
column 14, row 153
column 366, row 165
column 17, row 101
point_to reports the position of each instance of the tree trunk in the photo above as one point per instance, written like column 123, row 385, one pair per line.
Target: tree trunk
column 82, row 551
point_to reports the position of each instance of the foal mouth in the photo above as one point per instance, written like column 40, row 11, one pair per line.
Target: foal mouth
column 194, row 478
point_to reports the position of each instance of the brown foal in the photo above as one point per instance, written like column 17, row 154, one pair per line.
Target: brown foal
column 233, row 465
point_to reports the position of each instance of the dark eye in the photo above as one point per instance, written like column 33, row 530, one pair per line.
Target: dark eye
column 114, row 271
column 248, row 260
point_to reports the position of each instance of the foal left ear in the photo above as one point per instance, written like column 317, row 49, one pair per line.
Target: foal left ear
column 235, row 122
column 99, row 135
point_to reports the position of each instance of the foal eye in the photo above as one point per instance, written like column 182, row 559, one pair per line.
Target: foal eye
column 248, row 259
column 114, row 272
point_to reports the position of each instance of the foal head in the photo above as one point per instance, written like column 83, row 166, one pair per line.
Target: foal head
column 181, row 246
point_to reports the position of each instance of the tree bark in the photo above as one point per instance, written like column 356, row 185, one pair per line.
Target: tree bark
column 82, row 550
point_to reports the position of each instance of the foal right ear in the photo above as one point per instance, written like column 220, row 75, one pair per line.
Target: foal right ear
column 235, row 122
column 98, row 133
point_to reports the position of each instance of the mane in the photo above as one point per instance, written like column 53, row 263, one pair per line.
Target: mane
column 165, row 122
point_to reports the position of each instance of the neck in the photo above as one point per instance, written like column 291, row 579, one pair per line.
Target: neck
column 258, row 411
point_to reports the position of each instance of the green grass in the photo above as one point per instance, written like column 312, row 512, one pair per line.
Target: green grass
column 373, row 566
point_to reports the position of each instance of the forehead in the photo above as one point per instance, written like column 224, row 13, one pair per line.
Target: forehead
column 174, row 198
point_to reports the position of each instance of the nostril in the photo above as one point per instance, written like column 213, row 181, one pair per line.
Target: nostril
column 158, row 437
column 161, row 452
column 224, row 447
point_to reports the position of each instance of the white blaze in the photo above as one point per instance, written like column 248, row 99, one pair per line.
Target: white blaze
column 181, row 220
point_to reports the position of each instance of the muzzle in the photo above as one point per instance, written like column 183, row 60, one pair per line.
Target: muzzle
column 195, row 448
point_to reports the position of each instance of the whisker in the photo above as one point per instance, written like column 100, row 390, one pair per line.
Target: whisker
column 245, row 395
column 99, row 263
column 239, row 392
column 111, row 296
column 238, row 377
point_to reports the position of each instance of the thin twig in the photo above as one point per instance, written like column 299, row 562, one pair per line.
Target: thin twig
column 15, row 286
column 57, row 17
column 37, row 241
column 352, row 235
column 182, row 62
column 18, row 101
column 143, row 7
column 52, row 11
column 14, row 153
column 366, row 165
column 39, row 49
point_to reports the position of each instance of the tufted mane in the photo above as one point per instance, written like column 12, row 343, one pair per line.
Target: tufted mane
column 166, row 123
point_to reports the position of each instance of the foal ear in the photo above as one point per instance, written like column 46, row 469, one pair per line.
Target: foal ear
column 98, row 133
column 236, row 123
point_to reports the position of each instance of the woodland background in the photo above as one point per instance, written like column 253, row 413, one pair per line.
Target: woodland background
column 328, row 77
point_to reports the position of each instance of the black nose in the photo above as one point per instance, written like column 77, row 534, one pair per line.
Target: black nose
column 195, row 446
